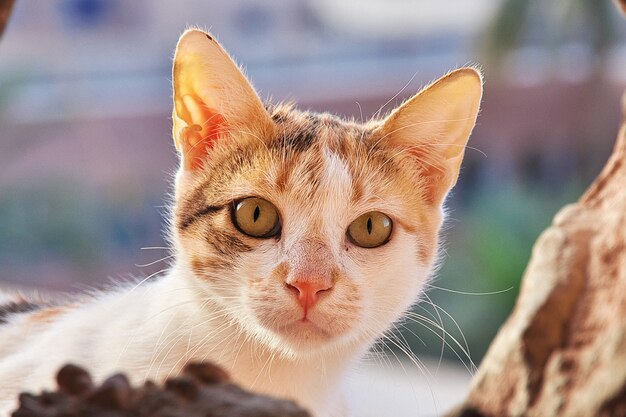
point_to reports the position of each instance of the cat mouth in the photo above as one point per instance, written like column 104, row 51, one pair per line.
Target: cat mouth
column 305, row 328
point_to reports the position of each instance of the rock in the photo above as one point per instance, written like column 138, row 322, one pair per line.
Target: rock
column 203, row 390
column 562, row 352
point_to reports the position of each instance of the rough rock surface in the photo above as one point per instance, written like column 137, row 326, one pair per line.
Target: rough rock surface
column 203, row 390
column 562, row 352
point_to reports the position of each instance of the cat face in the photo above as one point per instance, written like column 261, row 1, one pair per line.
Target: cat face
column 309, row 231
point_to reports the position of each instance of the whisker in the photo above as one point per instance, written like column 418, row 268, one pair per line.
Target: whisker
column 380, row 109
column 443, row 333
column 422, row 321
column 471, row 293
column 154, row 262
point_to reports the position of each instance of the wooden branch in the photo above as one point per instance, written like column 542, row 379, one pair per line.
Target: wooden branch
column 5, row 11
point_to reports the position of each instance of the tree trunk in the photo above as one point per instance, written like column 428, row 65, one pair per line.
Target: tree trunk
column 5, row 11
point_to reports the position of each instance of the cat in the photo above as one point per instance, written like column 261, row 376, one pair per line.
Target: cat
column 299, row 239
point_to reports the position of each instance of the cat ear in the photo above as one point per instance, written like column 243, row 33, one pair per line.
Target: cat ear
column 434, row 126
column 212, row 98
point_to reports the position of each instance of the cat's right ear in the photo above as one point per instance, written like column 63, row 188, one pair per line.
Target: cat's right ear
column 213, row 100
column 433, row 128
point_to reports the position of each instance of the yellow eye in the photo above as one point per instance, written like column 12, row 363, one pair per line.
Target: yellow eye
column 256, row 217
column 370, row 230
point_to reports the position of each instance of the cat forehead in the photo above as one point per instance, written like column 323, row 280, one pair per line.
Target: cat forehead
column 306, row 155
column 304, row 152
column 319, row 188
column 315, row 162
column 301, row 130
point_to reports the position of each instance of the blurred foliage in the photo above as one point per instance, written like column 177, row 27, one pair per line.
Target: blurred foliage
column 10, row 82
column 63, row 220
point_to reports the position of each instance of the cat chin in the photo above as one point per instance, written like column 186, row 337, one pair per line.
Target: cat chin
column 307, row 342
column 306, row 332
column 299, row 338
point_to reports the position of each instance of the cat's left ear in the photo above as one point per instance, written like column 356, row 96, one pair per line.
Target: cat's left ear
column 433, row 127
column 213, row 100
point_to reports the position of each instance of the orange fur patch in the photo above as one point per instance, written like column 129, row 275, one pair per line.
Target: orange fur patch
column 47, row 314
column 206, row 266
column 281, row 272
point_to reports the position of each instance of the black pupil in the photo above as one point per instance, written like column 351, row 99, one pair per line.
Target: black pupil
column 257, row 213
column 369, row 225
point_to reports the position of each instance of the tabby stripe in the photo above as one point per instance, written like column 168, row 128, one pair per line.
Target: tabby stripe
column 303, row 139
column 16, row 308
column 226, row 244
column 187, row 219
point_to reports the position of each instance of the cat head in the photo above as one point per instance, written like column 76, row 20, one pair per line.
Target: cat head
column 310, row 231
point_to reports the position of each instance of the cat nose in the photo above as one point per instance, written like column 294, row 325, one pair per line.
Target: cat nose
column 307, row 291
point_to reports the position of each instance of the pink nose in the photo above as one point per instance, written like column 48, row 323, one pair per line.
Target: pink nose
column 308, row 291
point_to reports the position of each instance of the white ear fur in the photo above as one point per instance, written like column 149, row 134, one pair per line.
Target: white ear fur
column 212, row 97
column 435, row 125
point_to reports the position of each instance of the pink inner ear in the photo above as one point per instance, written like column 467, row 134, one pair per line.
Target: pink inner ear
column 198, row 141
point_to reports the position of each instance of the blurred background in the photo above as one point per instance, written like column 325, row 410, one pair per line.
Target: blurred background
column 86, row 154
